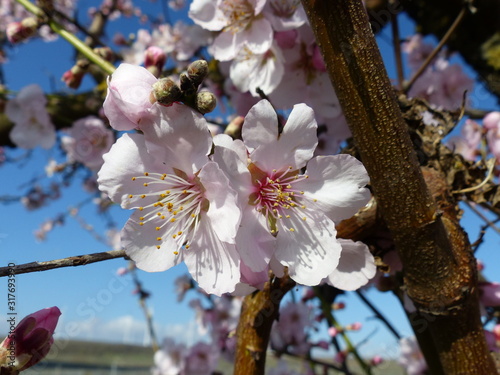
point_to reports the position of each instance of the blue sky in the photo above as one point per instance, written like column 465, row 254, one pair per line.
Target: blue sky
column 97, row 304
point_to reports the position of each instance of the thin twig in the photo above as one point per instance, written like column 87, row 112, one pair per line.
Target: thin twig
column 80, row 260
column 446, row 37
column 491, row 165
column 484, row 218
column 378, row 314
column 397, row 48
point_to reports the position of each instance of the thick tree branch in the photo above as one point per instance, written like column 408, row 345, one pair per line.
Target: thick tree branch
column 439, row 268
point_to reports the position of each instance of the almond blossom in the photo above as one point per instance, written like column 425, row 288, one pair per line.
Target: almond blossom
column 185, row 208
column 128, row 99
column 32, row 124
column 240, row 23
column 87, row 140
column 289, row 217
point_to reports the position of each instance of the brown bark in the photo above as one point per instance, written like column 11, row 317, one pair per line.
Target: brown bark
column 439, row 269
column 258, row 312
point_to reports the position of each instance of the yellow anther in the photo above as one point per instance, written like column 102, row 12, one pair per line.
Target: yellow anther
column 292, row 204
column 292, row 230
column 290, row 167
column 158, row 238
column 315, row 200
column 280, row 216
column 176, row 253
column 274, row 170
column 167, row 192
column 130, row 196
column 187, row 246
column 157, row 228
column 146, row 174
column 163, row 195
column 302, row 193
column 184, row 192
column 288, row 186
column 304, row 218
column 181, row 208
column 141, row 208
column 133, row 178
column 303, row 206
column 143, row 196
column 164, row 175
column 193, row 215
column 162, row 217
column 145, row 184
column 158, row 247
column 141, row 218
column 273, row 231
column 141, row 223
column 172, row 219
column 179, row 233
column 158, row 213
column 175, row 212
column 174, row 236
column 287, row 216
column 170, row 205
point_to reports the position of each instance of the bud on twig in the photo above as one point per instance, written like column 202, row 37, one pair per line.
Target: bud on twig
column 197, row 71
column 154, row 60
column 20, row 31
column 165, row 91
column 205, row 102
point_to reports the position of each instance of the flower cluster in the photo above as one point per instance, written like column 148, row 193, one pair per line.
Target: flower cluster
column 232, row 210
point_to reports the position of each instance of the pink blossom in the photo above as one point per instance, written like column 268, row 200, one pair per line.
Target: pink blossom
column 417, row 51
column 289, row 216
column 491, row 123
column 127, row 103
column 135, row 53
column 468, row 142
column 201, row 359
column 155, row 59
column 170, row 359
column 32, row 124
column 285, row 14
column 489, row 294
column 87, row 141
column 356, row 266
column 185, row 208
column 290, row 331
column 30, row 341
column 250, row 71
column 239, row 23
column 411, row 357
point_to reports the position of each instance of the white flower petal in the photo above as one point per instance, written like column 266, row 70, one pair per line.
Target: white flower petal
column 338, row 184
column 223, row 212
column 179, row 137
column 295, row 145
column 140, row 243
column 260, row 126
column 308, row 247
column 356, row 266
column 214, row 264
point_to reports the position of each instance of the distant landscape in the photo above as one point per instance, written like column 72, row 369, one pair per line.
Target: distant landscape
column 98, row 358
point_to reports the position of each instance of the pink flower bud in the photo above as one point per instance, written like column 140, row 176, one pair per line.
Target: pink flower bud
column 377, row 360
column 30, row 341
column 353, row 327
column 492, row 121
column 20, row 31
column 332, row 331
column 338, row 306
column 155, row 58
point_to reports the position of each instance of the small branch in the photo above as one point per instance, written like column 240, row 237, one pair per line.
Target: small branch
column 441, row 44
column 397, row 48
column 72, row 39
column 491, row 165
column 378, row 314
column 80, row 260
column 484, row 218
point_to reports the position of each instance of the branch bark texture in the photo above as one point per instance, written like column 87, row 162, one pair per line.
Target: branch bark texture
column 258, row 312
column 439, row 268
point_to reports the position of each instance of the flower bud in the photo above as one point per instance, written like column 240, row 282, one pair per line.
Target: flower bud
column 187, row 86
column 30, row 341
column 165, row 91
column 105, row 52
column 205, row 102
column 154, row 60
column 233, row 129
column 20, row 31
column 73, row 77
column 197, row 71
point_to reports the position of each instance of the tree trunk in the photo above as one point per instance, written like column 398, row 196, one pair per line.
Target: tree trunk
column 439, row 268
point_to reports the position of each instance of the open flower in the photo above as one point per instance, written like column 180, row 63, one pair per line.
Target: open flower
column 185, row 207
column 289, row 217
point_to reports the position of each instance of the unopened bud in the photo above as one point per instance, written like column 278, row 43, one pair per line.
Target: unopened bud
column 73, row 77
column 233, row 129
column 205, row 102
column 105, row 52
column 20, row 31
column 154, row 60
column 197, row 71
column 187, row 86
column 165, row 91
